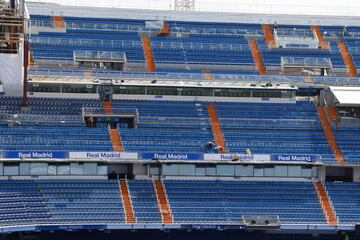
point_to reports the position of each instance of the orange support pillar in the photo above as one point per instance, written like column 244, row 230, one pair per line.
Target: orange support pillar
column 269, row 35
column 114, row 133
column 325, row 203
column 319, row 36
column 165, row 30
column 347, row 59
column 330, row 135
column 163, row 204
column 148, row 53
column 255, row 52
column 215, row 126
column 126, row 200
column 58, row 21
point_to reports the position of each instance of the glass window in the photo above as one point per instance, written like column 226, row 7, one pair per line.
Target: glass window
column 76, row 169
column 258, row 171
column 44, row 87
column 90, row 168
column 186, row 169
column 244, row 171
column 78, row 88
column 306, row 172
column 170, row 170
column 162, row 91
column 24, row 169
column 200, row 171
column 154, row 171
column 266, row 93
column 38, row 169
column 63, row 170
column 294, row 171
column 102, row 170
column 225, row 170
column 269, row 171
column 52, row 170
column 230, row 92
column 11, row 170
column 210, row 171
column 281, row 171
column 129, row 90
column 186, row 91
column 1, row 169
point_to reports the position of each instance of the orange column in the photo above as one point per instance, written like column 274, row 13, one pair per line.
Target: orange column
column 163, row 204
column 347, row 59
column 330, row 135
column 126, row 200
column 148, row 53
column 320, row 37
column 165, row 30
column 268, row 35
column 114, row 133
column 215, row 126
column 255, row 52
column 58, row 21
column 325, row 203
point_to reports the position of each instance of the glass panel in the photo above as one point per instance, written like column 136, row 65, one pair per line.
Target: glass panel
column 281, row 171
column 294, row 171
column 258, row 172
column 162, row 91
column 269, row 171
column 200, row 171
column 154, row 171
column 102, row 170
column 230, row 92
column 11, row 170
column 24, row 169
column 187, row 170
column 195, row 91
column 267, row 93
column 225, row 170
column 129, row 90
column 78, row 88
column 170, row 170
column 38, row 168
column 210, row 171
column 44, row 87
column 306, row 172
column 76, row 169
column 90, row 168
column 63, row 170
column 52, row 170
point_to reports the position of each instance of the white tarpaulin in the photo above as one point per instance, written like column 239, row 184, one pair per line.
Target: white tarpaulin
column 346, row 96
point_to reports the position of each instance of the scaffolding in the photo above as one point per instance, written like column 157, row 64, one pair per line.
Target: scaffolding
column 11, row 25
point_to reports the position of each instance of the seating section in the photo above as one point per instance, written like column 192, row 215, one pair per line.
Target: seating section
column 82, row 201
column 345, row 199
column 167, row 127
column 203, row 201
column 144, row 201
column 348, row 139
column 22, row 204
column 52, row 125
column 273, row 129
column 190, row 46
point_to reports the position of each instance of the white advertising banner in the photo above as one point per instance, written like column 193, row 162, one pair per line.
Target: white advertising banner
column 104, row 155
column 240, row 157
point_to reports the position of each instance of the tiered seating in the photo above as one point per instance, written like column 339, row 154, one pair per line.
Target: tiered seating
column 41, row 135
column 348, row 139
column 144, row 201
column 194, row 201
column 167, row 127
column 83, row 201
column 199, row 49
column 273, row 129
column 345, row 199
column 21, row 204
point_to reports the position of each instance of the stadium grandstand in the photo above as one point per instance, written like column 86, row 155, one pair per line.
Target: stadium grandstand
column 181, row 124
